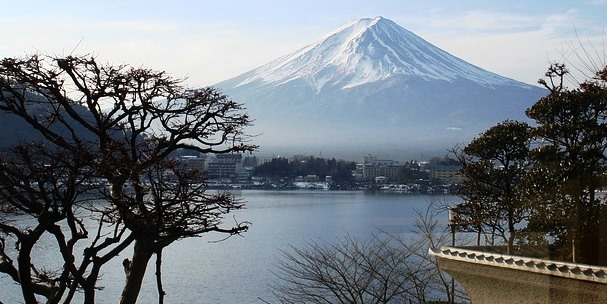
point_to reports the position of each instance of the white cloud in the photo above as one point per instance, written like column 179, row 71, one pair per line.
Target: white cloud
column 515, row 45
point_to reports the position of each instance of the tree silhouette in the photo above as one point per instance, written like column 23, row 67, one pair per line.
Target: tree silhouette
column 379, row 268
column 102, row 179
column 571, row 164
column 494, row 165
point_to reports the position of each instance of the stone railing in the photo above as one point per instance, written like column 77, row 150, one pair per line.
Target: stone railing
column 500, row 278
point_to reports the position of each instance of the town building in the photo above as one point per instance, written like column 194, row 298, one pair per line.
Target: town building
column 193, row 163
column 371, row 168
column 225, row 166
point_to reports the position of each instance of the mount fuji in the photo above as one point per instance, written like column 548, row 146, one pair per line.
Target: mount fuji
column 373, row 86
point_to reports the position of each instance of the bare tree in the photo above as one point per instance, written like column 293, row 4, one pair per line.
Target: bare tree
column 350, row 271
column 100, row 178
column 383, row 268
column 430, row 232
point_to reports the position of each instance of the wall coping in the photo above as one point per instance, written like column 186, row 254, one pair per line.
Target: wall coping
column 548, row 267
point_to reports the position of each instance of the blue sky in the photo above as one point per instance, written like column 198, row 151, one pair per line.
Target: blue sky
column 210, row 41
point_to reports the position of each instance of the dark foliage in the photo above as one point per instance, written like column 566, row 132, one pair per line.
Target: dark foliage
column 340, row 171
column 411, row 172
column 494, row 165
column 548, row 177
column 570, row 166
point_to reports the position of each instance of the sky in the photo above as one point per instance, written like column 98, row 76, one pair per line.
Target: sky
column 211, row 41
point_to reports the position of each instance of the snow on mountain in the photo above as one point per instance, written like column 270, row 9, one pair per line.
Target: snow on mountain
column 373, row 83
column 369, row 50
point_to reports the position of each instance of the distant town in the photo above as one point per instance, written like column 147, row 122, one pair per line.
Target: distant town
column 238, row 171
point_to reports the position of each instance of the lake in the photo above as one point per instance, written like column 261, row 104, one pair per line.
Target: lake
column 239, row 269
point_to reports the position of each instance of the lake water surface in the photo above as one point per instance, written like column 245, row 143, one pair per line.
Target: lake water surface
column 239, row 269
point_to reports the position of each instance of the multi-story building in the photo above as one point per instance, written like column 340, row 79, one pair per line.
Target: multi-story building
column 225, row 166
column 371, row 168
column 194, row 163
column 386, row 168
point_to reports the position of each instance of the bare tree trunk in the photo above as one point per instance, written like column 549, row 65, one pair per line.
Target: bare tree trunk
column 577, row 228
column 25, row 277
column 161, row 292
column 478, row 235
column 135, row 270
column 574, row 248
column 511, row 238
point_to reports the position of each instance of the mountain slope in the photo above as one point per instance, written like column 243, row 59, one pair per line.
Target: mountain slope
column 17, row 131
column 371, row 83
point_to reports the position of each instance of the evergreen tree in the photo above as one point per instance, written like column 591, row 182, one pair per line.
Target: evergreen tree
column 570, row 165
column 493, row 165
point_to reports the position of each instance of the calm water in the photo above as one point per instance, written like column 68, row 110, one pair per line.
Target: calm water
column 238, row 270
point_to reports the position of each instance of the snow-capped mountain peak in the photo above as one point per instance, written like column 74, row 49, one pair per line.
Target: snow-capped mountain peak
column 372, row 83
column 365, row 51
